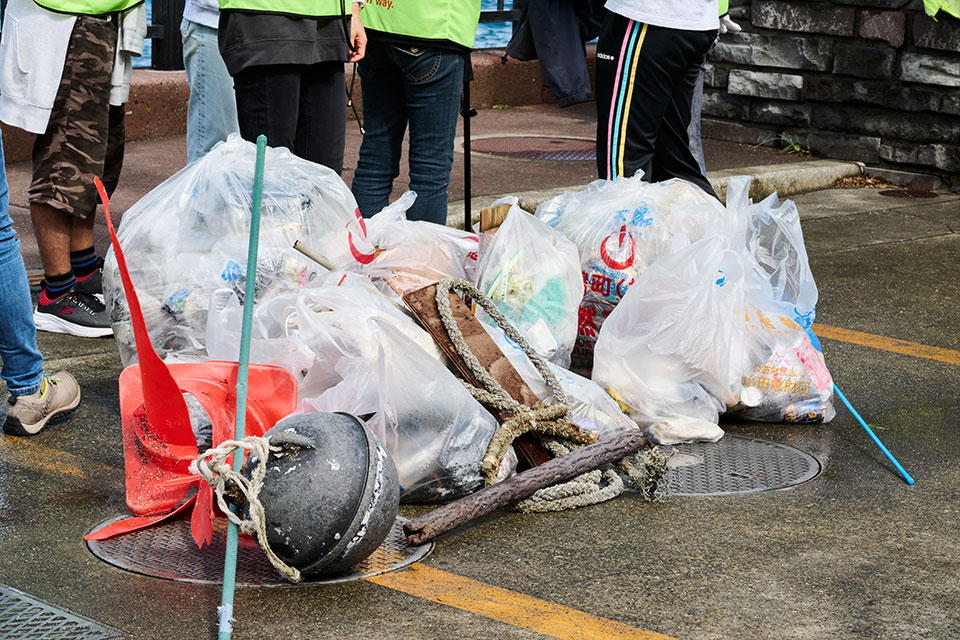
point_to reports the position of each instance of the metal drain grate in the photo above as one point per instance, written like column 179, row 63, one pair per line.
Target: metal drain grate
column 25, row 618
column 536, row 148
column 737, row 464
column 167, row 550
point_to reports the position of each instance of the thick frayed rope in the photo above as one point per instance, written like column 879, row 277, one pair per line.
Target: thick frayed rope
column 543, row 419
column 212, row 466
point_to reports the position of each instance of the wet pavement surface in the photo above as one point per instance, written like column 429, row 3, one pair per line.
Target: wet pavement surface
column 853, row 553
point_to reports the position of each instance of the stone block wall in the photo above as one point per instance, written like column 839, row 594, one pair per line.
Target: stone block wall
column 877, row 81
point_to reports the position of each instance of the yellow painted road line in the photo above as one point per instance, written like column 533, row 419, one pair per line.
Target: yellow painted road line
column 888, row 344
column 507, row 606
column 27, row 453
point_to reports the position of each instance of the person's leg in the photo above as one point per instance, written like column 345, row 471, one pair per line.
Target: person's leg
column 268, row 100
column 212, row 107
column 34, row 398
column 633, row 91
column 673, row 157
column 384, row 122
column 66, row 157
column 434, row 81
column 322, row 120
column 22, row 362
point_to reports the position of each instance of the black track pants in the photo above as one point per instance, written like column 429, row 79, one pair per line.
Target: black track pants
column 645, row 81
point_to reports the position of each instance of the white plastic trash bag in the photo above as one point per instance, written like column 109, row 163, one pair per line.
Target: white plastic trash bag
column 671, row 351
column 620, row 228
column 434, row 429
column 189, row 237
column 532, row 273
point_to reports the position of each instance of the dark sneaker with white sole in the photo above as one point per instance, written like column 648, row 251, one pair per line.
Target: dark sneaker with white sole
column 92, row 284
column 75, row 313
column 28, row 415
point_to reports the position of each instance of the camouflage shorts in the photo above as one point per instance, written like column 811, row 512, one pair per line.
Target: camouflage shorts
column 85, row 135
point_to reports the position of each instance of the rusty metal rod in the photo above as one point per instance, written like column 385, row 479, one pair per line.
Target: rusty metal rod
column 450, row 516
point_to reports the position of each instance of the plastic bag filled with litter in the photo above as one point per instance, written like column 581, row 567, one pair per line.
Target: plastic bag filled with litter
column 434, row 429
column 532, row 273
column 671, row 351
column 411, row 254
column 189, row 236
column 785, row 378
column 314, row 333
column 620, row 228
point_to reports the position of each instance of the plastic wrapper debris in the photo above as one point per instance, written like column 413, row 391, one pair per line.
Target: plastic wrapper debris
column 620, row 228
column 532, row 273
column 315, row 333
column 591, row 407
column 411, row 254
column 189, row 236
column 671, row 351
column 435, row 430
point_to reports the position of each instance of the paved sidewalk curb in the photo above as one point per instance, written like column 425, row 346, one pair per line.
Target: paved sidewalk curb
column 784, row 179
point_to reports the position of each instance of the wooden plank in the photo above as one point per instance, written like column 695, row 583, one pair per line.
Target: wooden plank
column 493, row 217
column 423, row 304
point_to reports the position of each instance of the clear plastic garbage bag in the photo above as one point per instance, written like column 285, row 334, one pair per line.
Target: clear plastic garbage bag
column 434, row 429
column 785, row 378
column 671, row 351
column 532, row 273
column 620, row 228
column 189, row 237
column 411, row 254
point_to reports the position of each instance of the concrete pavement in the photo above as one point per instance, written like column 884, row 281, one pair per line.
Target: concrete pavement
column 855, row 553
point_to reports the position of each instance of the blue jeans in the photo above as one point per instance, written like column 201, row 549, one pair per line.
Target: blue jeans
column 22, row 362
column 420, row 86
column 212, row 109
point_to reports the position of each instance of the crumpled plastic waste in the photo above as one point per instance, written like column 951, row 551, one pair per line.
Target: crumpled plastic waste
column 591, row 408
column 435, row 430
column 189, row 236
column 532, row 273
column 620, row 228
column 411, row 254
column 314, row 333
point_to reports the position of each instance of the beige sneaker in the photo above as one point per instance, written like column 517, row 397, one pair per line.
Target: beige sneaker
column 27, row 415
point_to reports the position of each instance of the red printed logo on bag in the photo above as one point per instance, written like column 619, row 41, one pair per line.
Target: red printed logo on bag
column 625, row 263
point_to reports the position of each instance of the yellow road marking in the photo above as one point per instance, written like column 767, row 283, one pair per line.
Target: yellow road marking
column 508, row 606
column 27, row 453
column 888, row 344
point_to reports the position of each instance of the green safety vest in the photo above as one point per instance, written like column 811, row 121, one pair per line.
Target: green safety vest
column 452, row 22
column 724, row 6
column 87, row 7
column 932, row 7
column 305, row 8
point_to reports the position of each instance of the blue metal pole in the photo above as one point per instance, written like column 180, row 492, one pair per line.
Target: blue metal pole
column 225, row 611
column 886, row 452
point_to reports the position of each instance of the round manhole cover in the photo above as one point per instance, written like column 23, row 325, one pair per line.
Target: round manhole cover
column 167, row 550
column 737, row 464
column 537, row 147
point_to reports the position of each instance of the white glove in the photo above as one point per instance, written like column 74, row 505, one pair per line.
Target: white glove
column 726, row 24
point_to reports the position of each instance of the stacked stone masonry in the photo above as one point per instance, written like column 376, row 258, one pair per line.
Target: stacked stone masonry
column 875, row 81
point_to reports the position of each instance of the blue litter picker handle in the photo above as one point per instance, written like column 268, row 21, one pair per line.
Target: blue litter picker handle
column 903, row 472
column 886, row 452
